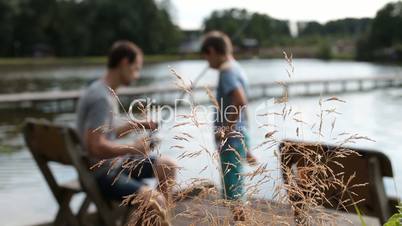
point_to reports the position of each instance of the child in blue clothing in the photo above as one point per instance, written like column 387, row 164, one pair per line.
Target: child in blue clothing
column 231, row 121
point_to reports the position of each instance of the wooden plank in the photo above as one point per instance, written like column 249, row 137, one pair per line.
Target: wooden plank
column 89, row 184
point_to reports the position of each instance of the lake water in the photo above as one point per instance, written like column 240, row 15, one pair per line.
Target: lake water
column 25, row 198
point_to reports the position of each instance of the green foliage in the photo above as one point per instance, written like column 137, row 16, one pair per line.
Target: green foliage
column 7, row 16
column 72, row 28
column 310, row 29
column 324, row 50
column 343, row 27
column 240, row 24
column 386, row 29
column 359, row 214
column 314, row 40
column 6, row 149
column 382, row 41
column 396, row 219
column 81, row 28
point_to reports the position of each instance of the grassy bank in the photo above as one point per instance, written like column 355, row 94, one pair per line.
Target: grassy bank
column 149, row 59
column 100, row 60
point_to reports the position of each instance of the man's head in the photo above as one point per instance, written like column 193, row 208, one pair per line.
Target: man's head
column 125, row 59
column 216, row 48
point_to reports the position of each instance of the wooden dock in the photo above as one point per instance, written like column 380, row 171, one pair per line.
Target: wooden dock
column 207, row 211
column 65, row 101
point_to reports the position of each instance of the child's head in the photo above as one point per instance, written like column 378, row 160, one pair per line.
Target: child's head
column 216, row 48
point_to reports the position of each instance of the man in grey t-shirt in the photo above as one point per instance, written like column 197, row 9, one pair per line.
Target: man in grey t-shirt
column 97, row 110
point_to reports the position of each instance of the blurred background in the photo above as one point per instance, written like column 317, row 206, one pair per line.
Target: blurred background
column 59, row 45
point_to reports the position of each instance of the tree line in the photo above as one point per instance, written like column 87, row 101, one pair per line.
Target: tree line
column 343, row 27
column 312, row 39
column 265, row 28
column 378, row 38
column 240, row 24
column 89, row 27
column 83, row 27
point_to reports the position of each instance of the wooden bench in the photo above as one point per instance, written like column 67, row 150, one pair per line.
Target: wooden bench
column 368, row 166
column 53, row 143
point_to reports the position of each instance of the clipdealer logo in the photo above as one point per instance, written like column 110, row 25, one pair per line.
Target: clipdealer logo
column 146, row 108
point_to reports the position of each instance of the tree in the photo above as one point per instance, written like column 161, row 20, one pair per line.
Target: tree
column 240, row 24
column 386, row 28
column 6, row 28
column 230, row 21
column 349, row 27
column 33, row 24
column 310, row 28
column 140, row 21
column 83, row 27
column 384, row 38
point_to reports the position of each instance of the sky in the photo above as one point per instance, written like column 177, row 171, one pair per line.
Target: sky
column 189, row 14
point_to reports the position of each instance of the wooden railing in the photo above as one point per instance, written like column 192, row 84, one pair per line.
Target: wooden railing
column 167, row 94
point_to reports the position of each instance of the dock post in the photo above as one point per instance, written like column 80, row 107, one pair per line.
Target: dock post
column 73, row 105
column 326, row 87
column 360, row 85
column 264, row 91
column 390, row 83
column 375, row 85
column 398, row 83
column 344, row 87
column 307, row 88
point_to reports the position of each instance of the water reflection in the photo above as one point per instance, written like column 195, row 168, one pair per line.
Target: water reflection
column 374, row 114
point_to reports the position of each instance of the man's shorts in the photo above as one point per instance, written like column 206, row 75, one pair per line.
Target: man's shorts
column 121, row 182
column 232, row 154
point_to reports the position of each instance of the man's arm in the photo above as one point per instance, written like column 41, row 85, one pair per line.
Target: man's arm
column 132, row 126
column 239, row 102
column 100, row 147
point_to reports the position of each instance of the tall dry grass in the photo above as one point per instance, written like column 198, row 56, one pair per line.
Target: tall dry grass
column 299, row 201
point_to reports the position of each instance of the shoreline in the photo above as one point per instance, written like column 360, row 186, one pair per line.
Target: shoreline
column 82, row 61
column 16, row 63
column 10, row 62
